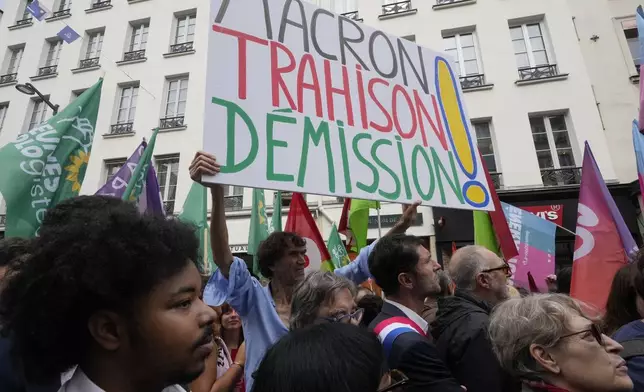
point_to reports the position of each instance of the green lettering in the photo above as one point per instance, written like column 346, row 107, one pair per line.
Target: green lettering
column 418, row 149
column 345, row 158
column 311, row 134
column 363, row 187
column 453, row 183
column 232, row 110
column 374, row 149
column 271, row 144
column 403, row 165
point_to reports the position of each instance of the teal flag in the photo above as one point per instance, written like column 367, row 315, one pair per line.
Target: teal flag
column 135, row 186
column 338, row 251
column 195, row 212
column 47, row 164
column 258, row 227
column 276, row 219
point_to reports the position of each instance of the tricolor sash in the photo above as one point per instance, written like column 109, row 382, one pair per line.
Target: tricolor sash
column 388, row 330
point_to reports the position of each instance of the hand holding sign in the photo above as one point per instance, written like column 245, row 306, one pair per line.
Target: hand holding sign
column 204, row 164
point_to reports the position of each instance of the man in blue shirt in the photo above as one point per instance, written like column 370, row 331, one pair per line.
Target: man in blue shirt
column 264, row 311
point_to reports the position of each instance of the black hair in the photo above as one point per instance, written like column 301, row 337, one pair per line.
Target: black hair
column 393, row 255
column 274, row 248
column 94, row 253
column 621, row 307
column 564, row 277
column 12, row 248
column 372, row 305
column 324, row 357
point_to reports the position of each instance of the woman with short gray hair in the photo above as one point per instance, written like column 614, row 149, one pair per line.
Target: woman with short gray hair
column 552, row 345
column 324, row 296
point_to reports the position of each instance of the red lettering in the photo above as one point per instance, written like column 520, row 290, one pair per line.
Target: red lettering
column 277, row 81
column 414, row 121
column 308, row 63
column 361, row 98
column 382, row 128
column 242, row 39
column 344, row 91
column 421, row 110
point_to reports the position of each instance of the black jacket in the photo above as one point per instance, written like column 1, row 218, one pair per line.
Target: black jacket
column 11, row 379
column 461, row 335
column 415, row 356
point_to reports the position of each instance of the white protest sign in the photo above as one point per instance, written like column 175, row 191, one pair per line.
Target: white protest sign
column 301, row 99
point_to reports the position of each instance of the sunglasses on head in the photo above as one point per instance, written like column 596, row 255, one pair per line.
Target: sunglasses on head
column 594, row 330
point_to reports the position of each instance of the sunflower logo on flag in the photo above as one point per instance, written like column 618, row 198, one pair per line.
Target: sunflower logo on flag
column 76, row 170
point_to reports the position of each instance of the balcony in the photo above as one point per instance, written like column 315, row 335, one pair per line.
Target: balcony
column 396, row 9
column 233, row 203
column 451, row 3
column 186, row 47
column 561, row 177
column 48, row 70
column 540, row 72
column 121, row 129
column 60, row 14
column 89, row 63
column 472, row 81
column 22, row 23
column 497, row 180
column 100, row 5
column 9, row 78
column 134, row 55
column 353, row 16
column 168, row 206
column 171, row 122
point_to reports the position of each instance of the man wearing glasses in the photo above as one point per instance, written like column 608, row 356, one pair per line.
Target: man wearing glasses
column 405, row 271
column 461, row 326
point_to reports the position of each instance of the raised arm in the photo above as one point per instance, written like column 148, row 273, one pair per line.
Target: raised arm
column 206, row 164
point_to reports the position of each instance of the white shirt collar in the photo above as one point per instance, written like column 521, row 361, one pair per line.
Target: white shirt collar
column 411, row 315
column 79, row 382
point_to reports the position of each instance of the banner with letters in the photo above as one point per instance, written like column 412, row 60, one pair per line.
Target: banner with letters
column 301, row 99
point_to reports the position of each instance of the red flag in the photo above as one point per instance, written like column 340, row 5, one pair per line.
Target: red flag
column 532, row 284
column 343, row 225
column 500, row 224
column 300, row 221
column 599, row 247
column 454, row 248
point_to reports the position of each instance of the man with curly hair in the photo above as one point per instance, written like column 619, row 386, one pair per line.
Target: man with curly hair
column 111, row 293
column 265, row 311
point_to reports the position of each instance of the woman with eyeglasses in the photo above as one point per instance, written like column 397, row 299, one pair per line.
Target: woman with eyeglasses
column 324, row 297
column 327, row 357
column 552, row 345
column 224, row 370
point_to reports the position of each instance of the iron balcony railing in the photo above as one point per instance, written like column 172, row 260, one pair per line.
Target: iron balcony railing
column 171, row 122
column 181, row 48
column 354, row 15
column 233, row 203
column 134, row 55
column 8, row 78
column 89, row 63
column 539, row 72
column 168, row 206
column 121, row 128
column 396, row 8
column 3, row 220
column 48, row 70
column 101, row 4
column 560, row 177
column 497, row 180
column 58, row 14
column 23, row 22
column 472, row 81
column 445, row 2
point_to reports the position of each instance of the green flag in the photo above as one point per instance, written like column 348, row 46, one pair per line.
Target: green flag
column 258, row 227
column 135, row 186
column 338, row 251
column 276, row 219
column 195, row 212
column 47, row 164
column 484, row 234
column 359, row 220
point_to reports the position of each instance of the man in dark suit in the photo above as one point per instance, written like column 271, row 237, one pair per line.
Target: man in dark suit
column 403, row 268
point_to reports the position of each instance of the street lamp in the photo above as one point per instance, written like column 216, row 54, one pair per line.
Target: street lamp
column 29, row 89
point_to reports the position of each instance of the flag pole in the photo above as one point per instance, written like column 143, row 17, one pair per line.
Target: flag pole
column 379, row 225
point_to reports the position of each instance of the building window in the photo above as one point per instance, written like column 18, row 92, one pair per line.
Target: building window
column 38, row 114
column 53, row 53
column 185, row 29
column 64, row 5
column 629, row 27
column 139, row 38
column 175, row 107
column 26, row 15
column 485, row 142
column 233, row 198
column 531, row 52
column 392, row 7
column 94, row 45
column 4, row 107
column 554, row 150
column 167, row 174
column 111, row 167
column 15, row 56
column 126, row 110
column 463, row 49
